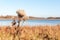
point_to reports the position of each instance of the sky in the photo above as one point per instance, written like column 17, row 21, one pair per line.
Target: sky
column 36, row 8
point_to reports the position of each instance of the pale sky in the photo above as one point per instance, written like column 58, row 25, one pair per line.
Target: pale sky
column 38, row 8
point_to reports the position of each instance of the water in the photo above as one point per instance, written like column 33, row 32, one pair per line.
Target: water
column 32, row 22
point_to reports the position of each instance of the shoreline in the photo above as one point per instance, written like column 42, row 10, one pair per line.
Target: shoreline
column 28, row 19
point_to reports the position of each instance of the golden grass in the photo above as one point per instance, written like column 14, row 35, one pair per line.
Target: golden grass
column 30, row 33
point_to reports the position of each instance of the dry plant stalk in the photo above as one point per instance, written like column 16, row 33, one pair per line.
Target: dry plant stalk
column 30, row 33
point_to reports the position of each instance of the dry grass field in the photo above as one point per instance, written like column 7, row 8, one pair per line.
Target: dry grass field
column 30, row 33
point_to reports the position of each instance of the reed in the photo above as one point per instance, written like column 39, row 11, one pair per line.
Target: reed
column 30, row 33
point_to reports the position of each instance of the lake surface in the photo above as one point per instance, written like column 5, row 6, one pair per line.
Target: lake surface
column 32, row 22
